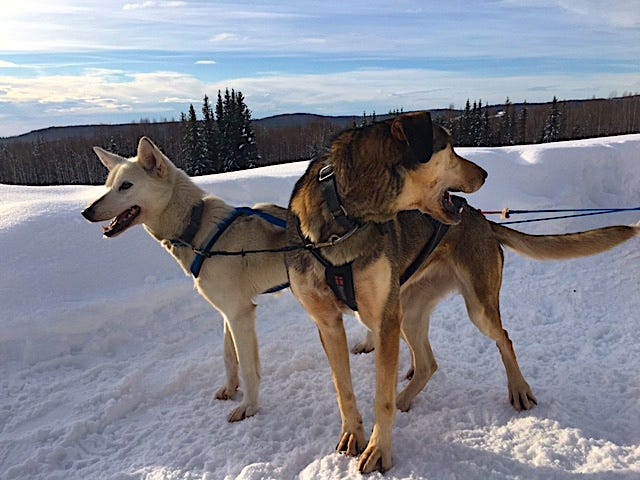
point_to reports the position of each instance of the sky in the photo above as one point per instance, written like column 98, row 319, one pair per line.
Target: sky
column 77, row 62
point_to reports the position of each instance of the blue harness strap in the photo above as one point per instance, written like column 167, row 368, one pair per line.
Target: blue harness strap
column 278, row 222
column 201, row 255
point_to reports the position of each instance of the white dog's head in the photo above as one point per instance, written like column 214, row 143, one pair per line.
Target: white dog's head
column 138, row 188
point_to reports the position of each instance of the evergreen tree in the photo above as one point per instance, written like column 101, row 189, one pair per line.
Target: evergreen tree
column 508, row 126
column 551, row 131
column 193, row 159
column 487, row 134
column 209, row 137
column 248, row 156
column 224, row 128
column 522, row 123
column 465, row 138
column 231, row 128
column 364, row 122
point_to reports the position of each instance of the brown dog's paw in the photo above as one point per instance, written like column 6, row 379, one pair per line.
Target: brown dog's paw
column 365, row 346
column 522, row 398
column 409, row 374
column 403, row 401
column 362, row 347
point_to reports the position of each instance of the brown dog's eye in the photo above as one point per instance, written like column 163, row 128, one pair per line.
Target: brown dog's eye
column 125, row 186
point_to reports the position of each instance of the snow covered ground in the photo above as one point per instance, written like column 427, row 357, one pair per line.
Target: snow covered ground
column 109, row 360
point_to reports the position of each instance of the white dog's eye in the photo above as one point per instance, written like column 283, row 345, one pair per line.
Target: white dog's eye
column 125, row 186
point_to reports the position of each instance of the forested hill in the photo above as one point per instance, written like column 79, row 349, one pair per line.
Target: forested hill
column 63, row 155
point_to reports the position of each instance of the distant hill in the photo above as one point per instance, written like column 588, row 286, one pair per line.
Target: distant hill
column 273, row 122
column 63, row 155
column 288, row 120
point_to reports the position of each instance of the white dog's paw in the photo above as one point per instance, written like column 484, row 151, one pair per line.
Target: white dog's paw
column 242, row 412
column 226, row 393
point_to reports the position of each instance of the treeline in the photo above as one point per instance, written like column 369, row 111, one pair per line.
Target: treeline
column 514, row 124
column 225, row 138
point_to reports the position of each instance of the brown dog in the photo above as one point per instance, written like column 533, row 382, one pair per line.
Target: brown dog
column 345, row 208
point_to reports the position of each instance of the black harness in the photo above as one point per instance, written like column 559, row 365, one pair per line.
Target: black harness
column 340, row 277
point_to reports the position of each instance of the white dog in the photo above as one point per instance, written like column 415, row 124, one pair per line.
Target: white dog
column 149, row 190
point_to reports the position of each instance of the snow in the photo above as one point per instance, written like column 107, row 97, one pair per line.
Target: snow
column 109, row 360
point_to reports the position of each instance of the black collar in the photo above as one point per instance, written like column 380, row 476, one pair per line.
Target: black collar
column 329, row 190
column 195, row 221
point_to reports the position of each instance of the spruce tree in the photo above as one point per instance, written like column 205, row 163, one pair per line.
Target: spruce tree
column 487, row 133
column 522, row 123
column 248, row 156
column 225, row 127
column 209, row 137
column 221, row 141
column 508, row 127
column 192, row 147
column 466, row 125
column 551, row 131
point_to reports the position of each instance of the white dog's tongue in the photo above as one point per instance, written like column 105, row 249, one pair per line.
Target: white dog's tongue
column 121, row 222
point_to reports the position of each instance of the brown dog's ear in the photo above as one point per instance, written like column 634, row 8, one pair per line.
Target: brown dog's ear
column 416, row 130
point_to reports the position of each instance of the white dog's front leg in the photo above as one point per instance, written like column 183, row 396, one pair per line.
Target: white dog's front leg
column 230, row 388
column 243, row 331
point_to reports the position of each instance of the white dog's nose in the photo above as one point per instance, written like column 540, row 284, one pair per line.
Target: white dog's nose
column 89, row 213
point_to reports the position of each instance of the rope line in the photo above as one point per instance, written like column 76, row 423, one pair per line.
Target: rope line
column 583, row 212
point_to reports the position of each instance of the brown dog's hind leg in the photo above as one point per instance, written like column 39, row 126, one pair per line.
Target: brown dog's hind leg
column 487, row 319
column 481, row 294
column 415, row 330
column 418, row 301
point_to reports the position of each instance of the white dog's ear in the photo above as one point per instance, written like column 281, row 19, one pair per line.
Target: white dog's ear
column 151, row 158
column 108, row 159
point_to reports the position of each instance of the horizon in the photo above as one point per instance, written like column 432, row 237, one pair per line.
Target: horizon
column 79, row 63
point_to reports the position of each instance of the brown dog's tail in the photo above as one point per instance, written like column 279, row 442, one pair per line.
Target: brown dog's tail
column 570, row 245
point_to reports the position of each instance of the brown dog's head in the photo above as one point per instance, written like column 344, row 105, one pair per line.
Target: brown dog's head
column 405, row 163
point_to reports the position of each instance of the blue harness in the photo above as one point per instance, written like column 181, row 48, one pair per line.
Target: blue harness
column 201, row 254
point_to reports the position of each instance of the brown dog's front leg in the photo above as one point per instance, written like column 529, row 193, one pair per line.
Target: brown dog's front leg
column 377, row 455
column 334, row 341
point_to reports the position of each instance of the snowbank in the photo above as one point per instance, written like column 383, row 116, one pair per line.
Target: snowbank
column 109, row 360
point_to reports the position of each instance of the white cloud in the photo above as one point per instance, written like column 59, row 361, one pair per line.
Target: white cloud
column 153, row 4
column 137, row 6
column 205, row 62
column 224, row 37
column 108, row 96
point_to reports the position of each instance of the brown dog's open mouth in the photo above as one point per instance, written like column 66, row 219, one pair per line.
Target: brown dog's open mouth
column 451, row 210
column 121, row 222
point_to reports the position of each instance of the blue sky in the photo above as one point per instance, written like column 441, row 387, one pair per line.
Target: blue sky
column 72, row 62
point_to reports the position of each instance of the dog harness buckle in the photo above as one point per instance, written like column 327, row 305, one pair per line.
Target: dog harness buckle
column 326, row 172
